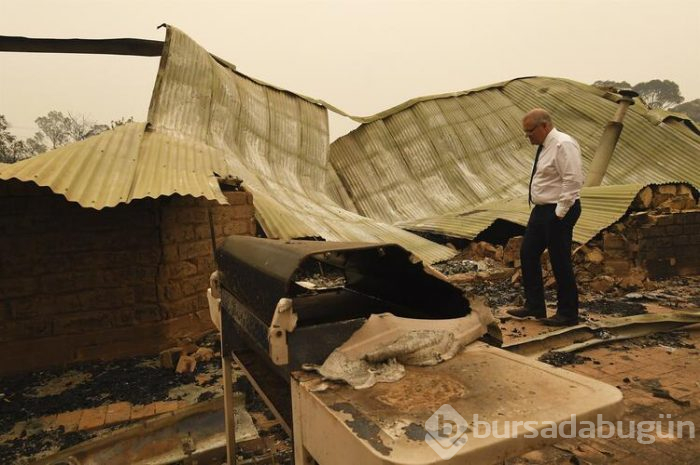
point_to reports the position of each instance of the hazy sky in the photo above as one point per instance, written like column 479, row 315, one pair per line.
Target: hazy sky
column 363, row 56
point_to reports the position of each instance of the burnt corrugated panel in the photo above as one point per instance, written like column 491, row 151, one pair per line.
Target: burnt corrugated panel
column 459, row 161
column 275, row 141
column 412, row 164
column 470, row 222
column 451, row 153
column 649, row 150
column 601, row 206
column 124, row 164
column 169, row 165
column 97, row 172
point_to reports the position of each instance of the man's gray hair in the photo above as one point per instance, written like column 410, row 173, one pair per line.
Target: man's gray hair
column 539, row 116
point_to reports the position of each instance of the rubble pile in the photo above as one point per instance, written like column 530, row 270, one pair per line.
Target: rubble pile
column 657, row 239
column 184, row 357
column 44, row 411
column 479, row 261
column 457, row 267
column 665, row 198
column 645, row 245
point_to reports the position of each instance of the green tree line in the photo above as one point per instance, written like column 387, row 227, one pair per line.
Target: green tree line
column 55, row 130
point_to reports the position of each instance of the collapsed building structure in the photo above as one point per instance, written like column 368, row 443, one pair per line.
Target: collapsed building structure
column 454, row 165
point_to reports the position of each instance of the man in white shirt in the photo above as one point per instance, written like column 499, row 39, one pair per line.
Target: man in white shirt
column 555, row 185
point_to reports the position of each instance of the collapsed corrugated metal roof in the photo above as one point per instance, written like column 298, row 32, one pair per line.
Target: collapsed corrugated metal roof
column 451, row 164
column 603, row 205
column 274, row 140
column 122, row 165
column 206, row 118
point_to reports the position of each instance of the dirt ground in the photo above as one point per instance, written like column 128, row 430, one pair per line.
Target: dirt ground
column 659, row 375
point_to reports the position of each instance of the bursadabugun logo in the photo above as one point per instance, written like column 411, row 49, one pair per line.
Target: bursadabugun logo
column 446, row 432
column 447, row 429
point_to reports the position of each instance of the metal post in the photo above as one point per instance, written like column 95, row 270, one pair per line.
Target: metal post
column 608, row 141
column 229, row 416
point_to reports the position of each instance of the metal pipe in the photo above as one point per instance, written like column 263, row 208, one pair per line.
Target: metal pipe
column 608, row 141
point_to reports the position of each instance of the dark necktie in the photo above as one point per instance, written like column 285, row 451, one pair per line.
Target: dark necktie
column 534, row 168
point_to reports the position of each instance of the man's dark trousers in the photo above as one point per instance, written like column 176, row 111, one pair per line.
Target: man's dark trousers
column 546, row 231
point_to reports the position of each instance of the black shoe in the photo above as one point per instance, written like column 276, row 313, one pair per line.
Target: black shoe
column 524, row 313
column 558, row 320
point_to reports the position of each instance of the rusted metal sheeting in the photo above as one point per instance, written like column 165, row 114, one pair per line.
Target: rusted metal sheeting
column 122, row 165
column 430, row 158
column 601, row 207
column 276, row 141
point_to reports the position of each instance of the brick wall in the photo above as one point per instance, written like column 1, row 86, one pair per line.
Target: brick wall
column 662, row 244
column 186, row 238
column 79, row 284
column 669, row 245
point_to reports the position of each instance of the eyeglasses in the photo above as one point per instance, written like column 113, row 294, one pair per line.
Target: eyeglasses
column 532, row 129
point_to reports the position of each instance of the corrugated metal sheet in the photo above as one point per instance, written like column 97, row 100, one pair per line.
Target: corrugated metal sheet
column 601, row 206
column 122, row 165
column 97, row 172
column 449, row 154
column 169, row 165
column 459, row 161
column 274, row 140
column 206, row 118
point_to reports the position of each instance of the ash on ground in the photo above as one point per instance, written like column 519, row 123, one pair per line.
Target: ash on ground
column 614, row 307
column 137, row 380
column 17, row 450
column 313, row 274
column 559, row 359
column 457, row 266
column 673, row 340
column 496, row 293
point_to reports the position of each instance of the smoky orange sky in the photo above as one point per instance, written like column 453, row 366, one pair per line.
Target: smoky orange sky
column 362, row 56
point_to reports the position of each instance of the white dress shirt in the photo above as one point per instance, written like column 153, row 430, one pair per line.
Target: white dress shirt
column 558, row 177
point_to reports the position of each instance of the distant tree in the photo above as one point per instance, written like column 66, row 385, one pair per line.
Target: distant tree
column 690, row 108
column 8, row 143
column 55, row 126
column 659, row 94
column 655, row 93
column 61, row 129
column 81, row 128
column 13, row 149
column 36, row 144
column 612, row 84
